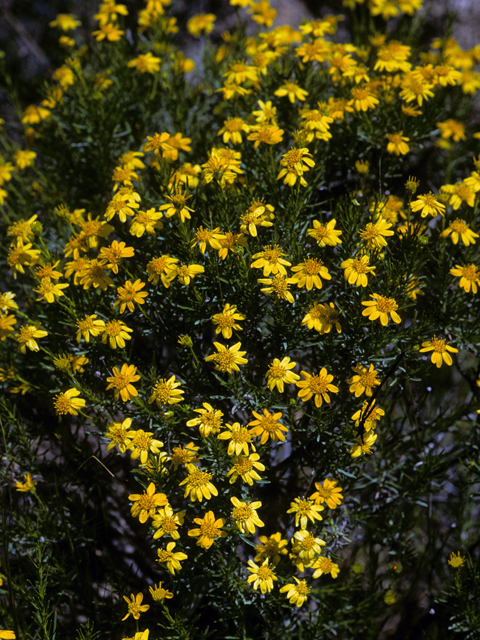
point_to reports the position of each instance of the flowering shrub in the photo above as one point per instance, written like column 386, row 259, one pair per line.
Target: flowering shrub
column 239, row 331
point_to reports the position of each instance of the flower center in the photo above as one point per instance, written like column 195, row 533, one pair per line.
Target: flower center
column 142, row 442
column 459, row 226
column 242, row 514
column 113, row 328
column 146, row 502
column 359, row 266
column 63, row 404
column 169, row 524
column 277, row 371
column 243, row 465
column 439, row 345
column 225, row 360
column 264, row 573
column 199, row 478
column 386, row 305
column 470, row 272
column 313, row 267
column 318, row 385
column 368, row 379
column 208, row 528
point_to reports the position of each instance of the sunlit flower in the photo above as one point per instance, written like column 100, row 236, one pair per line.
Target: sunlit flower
column 142, row 444
column 245, row 466
column 228, row 358
column 198, row 484
column 119, row 435
column 456, row 561
column 309, row 274
column 245, row 515
column 159, row 593
column 225, row 321
column 305, row 510
column 440, row 350
column 145, row 63
column 375, row 233
column 28, row 485
column 201, row 23
column 271, row 548
column 240, row 439
column 186, row 272
column 328, row 493
column 262, row 576
column 368, row 415
column 67, row 402
column 135, row 606
column 116, row 332
column 26, row 337
column 171, row 558
column 122, row 380
column 209, row 422
column 322, row 317
column 323, row 565
column 469, row 275
column 325, row 234
column 208, row 530
column 166, row 522
column 428, row 204
column 145, row 504
column 380, row 308
column 267, row 426
column 292, row 91
column 166, row 392
column 271, row 260
column 296, row 593
column 162, row 268
column 397, row 143
column 279, row 285
column 317, row 386
column 89, row 326
column 279, row 374
column 295, row 163
column 364, row 381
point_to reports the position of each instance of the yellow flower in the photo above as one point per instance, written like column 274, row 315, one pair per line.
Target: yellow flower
column 310, row 273
column 323, row 565
column 204, row 237
column 198, row 484
column 266, row 133
column 397, row 143
column 122, row 380
column 162, row 268
column 34, row 114
column 89, row 326
column 305, row 547
column 363, row 98
column 469, row 276
column 263, row 13
column 244, row 466
column 135, row 606
column 322, row 317
column 94, row 274
column 305, row 510
column 209, row 422
column 146, row 503
column 203, row 22
column 456, row 561
column 6, row 325
column 279, row 285
column 440, row 351
column 296, row 593
column 228, row 358
column 267, row 426
column 26, row 337
column 364, row 381
column 167, row 522
column 159, row 593
column 381, row 307
column 146, row 63
column 130, row 294
column 223, row 165
column 208, row 530
column 7, row 635
column 295, row 163
column 240, row 437
column 452, row 129
column 245, row 515
column 166, row 392
column 65, row 22
column 279, row 374
column 28, row 485
column 49, row 290
column 325, row 234
column 232, row 130
column 186, row 272
column 120, row 435
column 171, row 558
column 229, row 242
column 356, row 270
column 271, row 548
column 460, row 192
column 184, row 455
column 225, row 321
column 67, row 402
column 116, row 332
column 142, row 444
column 109, row 31
column 270, row 260
column 328, row 493
column 262, row 576
column 24, row 159
column 292, row 90
column 368, row 415
column 122, row 205
column 317, row 385
column 428, row 205
column 375, row 232
column 112, row 255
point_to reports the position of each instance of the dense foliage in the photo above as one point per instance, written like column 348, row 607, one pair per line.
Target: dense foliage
column 239, row 331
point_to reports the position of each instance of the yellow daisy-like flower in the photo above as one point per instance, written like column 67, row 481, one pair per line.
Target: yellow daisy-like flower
column 316, row 385
column 240, row 439
column 456, row 561
column 162, row 268
column 266, row 133
column 368, row 415
column 381, row 307
column 207, row 237
column 129, row 294
column 208, row 530
column 428, row 204
column 116, row 332
column 159, row 593
column 356, row 270
column 323, row 565
column 26, row 337
column 328, row 493
column 166, row 392
column 28, row 485
column 6, row 325
column 325, row 234
column 397, row 143
column 267, row 426
column 146, row 63
column 65, row 22
column 306, row 547
column 278, row 285
column 296, row 593
column 166, row 522
column 122, row 380
column 146, row 222
column 295, row 163
column 186, row 272
column 322, row 317
column 145, row 504
column 258, row 214
column 232, row 130
column 364, row 380
column 201, row 23
column 245, row 515
column 142, row 444
column 440, row 351
column 184, row 455
column 310, row 274
column 305, row 510
column 271, row 260
column 135, row 606
column 225, row 321
column 363, row 98
column 262, row 576
column 228, row 358
column 469, row 276
column 68, row 402
column 460, row 231
column 209, row 422
column 271, row 548
column 279, row 374
column 363, row 445
column 198, row 484
column 171, row 558
column 292, row 91
column 120, row 435
column 375, row 233
column 244, row 466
